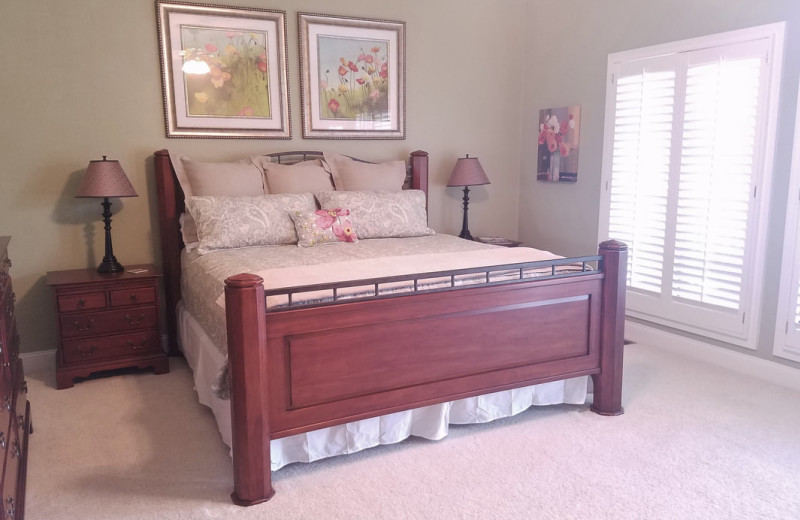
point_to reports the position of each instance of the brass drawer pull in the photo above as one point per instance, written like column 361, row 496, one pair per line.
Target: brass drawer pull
column 7, row 403
column 24, row 386
column 140, row 346
column 133, row 346
column 88, row 352
column 134, row 298
column 11, row 509
column 15, row 451
column 2, row 440
column 83, row 329
column 81, row 303
column 20, row 421
column 131, row 321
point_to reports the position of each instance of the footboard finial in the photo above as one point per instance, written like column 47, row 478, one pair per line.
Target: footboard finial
column 247, row 362
column 608, row 383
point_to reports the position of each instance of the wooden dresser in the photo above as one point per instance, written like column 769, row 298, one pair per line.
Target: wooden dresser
column 107, row 321
column 15, row 422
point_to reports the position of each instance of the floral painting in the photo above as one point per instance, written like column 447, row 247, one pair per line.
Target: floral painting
column 223, row 71
column 558, row 144
column 354, row 82
column 353, row 77
column 234, row 81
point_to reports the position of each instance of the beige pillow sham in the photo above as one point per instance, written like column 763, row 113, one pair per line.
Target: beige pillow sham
column 351, row 175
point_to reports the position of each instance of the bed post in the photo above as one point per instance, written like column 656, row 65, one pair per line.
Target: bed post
column 419, row 173
column 170, row 206
column 247, row 359
column 608, row 383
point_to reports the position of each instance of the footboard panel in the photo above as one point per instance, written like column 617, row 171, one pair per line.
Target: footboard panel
column 302, row 369
column 334, row 365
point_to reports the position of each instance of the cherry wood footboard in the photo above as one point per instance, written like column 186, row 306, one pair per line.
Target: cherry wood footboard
column 302, row 369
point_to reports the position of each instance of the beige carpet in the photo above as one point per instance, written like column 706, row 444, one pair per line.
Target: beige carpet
column 696, row 442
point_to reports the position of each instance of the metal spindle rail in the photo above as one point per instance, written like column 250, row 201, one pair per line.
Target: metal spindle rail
column 525, row 272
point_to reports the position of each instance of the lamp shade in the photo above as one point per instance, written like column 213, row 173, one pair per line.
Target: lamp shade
column 468, row 172
column 105, row 178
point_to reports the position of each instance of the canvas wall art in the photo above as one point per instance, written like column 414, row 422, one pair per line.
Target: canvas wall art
column 559, row 144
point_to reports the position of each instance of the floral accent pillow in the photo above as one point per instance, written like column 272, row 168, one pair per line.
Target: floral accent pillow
column 229, row 222
column 382, row 214
column 323, row 226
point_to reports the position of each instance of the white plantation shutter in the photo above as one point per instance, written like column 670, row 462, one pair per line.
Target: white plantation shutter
column 717, row 171
column 685, row 155
column 643, row 122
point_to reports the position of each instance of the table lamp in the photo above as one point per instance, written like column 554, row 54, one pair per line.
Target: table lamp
column 105, row 179
column 467, row 172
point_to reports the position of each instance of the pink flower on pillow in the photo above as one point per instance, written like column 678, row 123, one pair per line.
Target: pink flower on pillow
column 327, row 217
column 343, row 229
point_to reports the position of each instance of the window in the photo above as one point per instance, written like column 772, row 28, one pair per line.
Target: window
column 787, row 323
column 686, row 168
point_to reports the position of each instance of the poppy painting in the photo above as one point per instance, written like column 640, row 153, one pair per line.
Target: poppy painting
column 223, row 71
column 353, row 77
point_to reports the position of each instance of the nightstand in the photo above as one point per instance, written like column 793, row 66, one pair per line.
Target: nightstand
column 498, row 241
column 107, row 321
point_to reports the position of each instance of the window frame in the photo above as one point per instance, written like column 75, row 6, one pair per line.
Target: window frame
column 786, row 343
column 746, row 333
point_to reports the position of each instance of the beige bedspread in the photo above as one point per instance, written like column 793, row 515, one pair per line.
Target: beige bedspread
column 203, row 276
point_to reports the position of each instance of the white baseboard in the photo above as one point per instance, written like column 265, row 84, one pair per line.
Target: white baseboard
column 46, row 359
column 38, row 361
column 750, row 365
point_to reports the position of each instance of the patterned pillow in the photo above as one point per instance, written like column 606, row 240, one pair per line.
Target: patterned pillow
column 382, row 214
column 323, row 226
column 228, row 222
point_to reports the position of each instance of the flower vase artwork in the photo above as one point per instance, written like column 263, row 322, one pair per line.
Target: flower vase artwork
column 558, row 144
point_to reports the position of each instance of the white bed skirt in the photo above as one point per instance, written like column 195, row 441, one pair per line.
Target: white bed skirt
column 430, row 422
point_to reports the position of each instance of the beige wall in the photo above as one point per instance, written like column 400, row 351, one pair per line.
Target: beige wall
column 566, row 61
column 81, row 79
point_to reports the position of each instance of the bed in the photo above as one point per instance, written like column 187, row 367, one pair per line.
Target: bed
column 302, row 357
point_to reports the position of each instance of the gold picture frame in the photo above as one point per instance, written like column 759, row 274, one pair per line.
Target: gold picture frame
column 223, row 71
column 353, row 79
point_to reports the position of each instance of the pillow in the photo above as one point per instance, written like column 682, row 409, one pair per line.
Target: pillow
column 382, row 214
column 197, row 178
column 323, row 226
column 229, row 222
column 350, row 175
column 302, row 177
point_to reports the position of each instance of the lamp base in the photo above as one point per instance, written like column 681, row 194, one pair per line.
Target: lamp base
column 110, row 265
column 465, row 234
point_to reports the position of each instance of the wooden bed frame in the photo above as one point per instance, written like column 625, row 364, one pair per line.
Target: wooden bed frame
column 308, row 367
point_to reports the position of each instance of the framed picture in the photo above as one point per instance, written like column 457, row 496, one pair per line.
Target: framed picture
column 353, row 77
column 223, row 71
column 559, row 144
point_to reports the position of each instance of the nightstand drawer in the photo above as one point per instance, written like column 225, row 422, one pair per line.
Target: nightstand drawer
column 85, row 350
column 82, row 301
column 108, row 322
column 133, row 296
